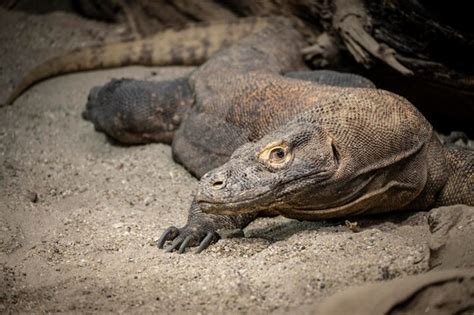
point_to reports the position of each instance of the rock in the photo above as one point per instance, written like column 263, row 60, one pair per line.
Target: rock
column 436, row 292
column 452, row 237
column 32, row 196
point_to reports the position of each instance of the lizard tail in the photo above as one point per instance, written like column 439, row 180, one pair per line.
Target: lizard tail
column 190, row 46
column 459, row 188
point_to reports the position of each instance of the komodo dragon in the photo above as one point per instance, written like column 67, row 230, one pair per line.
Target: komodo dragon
column 296, row 145
column 308, row 145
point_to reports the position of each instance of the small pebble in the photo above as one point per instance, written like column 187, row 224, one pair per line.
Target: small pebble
column 32, row 196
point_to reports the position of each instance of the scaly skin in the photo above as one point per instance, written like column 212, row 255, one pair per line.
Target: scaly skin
column 374, row 153
column 190, row 46
column 347, row 149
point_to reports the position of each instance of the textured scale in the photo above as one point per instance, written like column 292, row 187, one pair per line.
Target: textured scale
column 190, row 46
column 459, row 187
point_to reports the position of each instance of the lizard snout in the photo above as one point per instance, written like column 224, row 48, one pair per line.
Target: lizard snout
column 217, row 180
column 212, row 187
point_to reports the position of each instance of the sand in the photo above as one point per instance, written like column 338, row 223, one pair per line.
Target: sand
column 79, row 216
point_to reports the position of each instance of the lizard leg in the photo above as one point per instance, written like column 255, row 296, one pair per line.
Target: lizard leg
column 459, row 187
column 201, row 230
column 134, row 111
column 333, row 78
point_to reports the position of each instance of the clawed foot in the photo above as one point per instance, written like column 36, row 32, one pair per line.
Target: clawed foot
column 186, row 237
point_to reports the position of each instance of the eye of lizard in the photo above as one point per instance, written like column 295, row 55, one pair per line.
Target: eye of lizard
column 275, row 154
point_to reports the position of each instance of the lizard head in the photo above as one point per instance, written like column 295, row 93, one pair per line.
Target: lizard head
column 272, row 173
column 360, row 152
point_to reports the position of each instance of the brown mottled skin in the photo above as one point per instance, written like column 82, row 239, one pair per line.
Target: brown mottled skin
column 190, row 46
column 308, row 145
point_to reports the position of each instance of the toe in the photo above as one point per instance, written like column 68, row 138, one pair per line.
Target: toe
column 210, row 237
column 169, row 234
column 176, row 243
column 185, row 244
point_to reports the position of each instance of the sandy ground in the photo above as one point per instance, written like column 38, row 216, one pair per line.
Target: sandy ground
column 79, row 216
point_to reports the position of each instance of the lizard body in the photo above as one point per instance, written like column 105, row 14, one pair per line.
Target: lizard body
column 311, row 145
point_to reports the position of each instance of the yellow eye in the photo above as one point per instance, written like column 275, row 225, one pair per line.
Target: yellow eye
column 275, row 154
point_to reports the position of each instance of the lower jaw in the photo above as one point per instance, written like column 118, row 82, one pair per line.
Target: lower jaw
column 218, row 210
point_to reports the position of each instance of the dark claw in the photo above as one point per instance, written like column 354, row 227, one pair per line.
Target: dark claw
column 168, row 234
column 187, row 236
column 174, row 245
column 185, row 243
column 205, row 242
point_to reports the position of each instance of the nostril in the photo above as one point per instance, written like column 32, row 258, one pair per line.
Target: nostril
column 218, row 184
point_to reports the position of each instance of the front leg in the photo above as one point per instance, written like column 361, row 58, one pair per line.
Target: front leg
column 201, row 229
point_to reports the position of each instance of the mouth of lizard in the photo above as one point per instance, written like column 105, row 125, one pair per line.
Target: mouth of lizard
column 261, row 201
